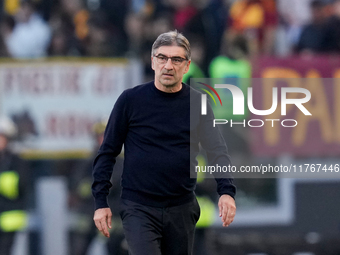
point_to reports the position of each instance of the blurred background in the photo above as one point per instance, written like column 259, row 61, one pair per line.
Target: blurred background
column 64, row 63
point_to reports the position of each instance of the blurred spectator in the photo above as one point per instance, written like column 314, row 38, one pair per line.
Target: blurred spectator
column 294, row 15
column 116, row 12
column 184, row 10
column 60, row 44
column 134, row 27
column 197, row 58
column 103, row 40
column 256, row 20
column 209, row 23
column 331, row 42
column 233, row 60
column 30, row 36
column 97, row 36
column 79, row 16
column 294, row 12
column 82, row 202
column 64, row 39
column 13, row 188
column 26, row 126
column 313, row 34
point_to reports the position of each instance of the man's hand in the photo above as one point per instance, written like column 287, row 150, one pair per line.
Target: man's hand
column 227, row 208
column 103, row 219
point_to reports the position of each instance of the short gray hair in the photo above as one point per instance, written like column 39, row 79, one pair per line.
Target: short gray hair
column 172, row 38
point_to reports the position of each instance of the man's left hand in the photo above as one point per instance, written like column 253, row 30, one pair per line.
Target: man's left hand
column 227, row 208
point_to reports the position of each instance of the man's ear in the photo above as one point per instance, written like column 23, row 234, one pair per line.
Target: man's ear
column 187, row 66
column 152, row 64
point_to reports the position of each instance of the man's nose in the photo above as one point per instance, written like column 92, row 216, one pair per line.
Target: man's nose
column 169, row 64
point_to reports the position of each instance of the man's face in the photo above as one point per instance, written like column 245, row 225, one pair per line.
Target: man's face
column 169, row 74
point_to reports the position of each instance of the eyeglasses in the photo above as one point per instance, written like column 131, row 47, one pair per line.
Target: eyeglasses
column 161, row 59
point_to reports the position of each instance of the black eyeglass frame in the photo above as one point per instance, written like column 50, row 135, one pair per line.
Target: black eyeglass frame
column 165, row 59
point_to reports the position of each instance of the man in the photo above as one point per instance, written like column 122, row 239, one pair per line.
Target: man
column 158, row 205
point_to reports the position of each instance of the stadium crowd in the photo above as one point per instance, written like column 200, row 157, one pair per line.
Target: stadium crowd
column 103, row 28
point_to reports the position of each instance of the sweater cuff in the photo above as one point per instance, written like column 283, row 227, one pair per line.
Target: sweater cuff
column 230, row 194
column 101, row 203
column 229, row 189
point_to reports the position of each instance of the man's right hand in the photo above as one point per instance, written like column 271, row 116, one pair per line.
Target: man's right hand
column 103, row 219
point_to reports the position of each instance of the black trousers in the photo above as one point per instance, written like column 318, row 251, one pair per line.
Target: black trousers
column 159, row 231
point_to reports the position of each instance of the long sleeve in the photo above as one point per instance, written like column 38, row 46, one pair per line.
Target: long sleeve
column 214, row 144
column 111, row 147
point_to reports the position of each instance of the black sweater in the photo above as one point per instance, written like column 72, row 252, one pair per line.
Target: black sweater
column 160, row 145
